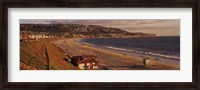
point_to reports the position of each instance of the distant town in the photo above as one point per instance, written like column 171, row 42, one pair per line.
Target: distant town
column 42, row 31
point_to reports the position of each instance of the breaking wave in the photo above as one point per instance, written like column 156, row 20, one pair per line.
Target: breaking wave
column 87, row 43
column 141, row 52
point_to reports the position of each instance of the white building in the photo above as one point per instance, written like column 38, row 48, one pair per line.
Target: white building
column 86, row 62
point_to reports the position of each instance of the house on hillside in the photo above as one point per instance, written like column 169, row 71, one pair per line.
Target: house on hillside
column 28, row 36
column 25, row 37
column 85, row 62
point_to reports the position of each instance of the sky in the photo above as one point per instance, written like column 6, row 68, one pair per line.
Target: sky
column 160, row 27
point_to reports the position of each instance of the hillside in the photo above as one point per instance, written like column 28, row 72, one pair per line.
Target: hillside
column 42, row 55
column 77, row 30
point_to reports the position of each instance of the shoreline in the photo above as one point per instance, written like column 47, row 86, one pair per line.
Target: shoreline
column 112, row 59
column 164, row 58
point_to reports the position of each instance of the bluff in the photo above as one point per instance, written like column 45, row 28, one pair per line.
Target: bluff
column 43, row 55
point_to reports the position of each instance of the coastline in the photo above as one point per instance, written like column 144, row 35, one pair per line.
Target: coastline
column 156, row 56
column 113, row 59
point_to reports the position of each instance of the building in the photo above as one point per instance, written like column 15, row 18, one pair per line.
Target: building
column 30, row 36
column 25, row 37
column 85, row 62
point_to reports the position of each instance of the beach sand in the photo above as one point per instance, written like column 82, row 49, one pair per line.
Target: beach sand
column 112, row 60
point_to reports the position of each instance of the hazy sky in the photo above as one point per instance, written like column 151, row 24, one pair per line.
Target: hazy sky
column 159, row 27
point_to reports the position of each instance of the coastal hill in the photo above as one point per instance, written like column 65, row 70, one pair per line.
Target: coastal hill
column 81, row 31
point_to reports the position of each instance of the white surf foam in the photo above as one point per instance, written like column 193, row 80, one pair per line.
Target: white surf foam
column 87, row 43
column 140, row 52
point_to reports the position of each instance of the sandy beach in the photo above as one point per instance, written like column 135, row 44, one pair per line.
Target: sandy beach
column 113, row 60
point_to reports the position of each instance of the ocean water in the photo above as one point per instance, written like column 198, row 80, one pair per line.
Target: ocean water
column 168, row 47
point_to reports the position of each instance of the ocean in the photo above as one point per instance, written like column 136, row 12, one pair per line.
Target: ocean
column 165, row 46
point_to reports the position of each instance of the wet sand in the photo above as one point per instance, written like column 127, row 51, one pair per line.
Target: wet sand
column 112, row 60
